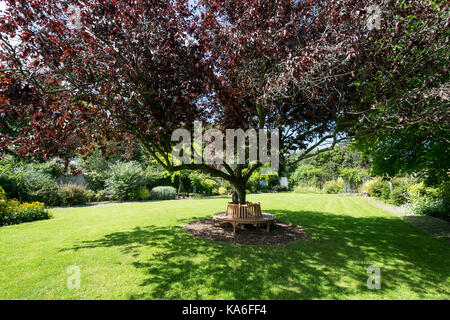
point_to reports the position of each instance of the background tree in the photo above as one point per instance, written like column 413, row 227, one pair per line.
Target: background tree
column 403, row 95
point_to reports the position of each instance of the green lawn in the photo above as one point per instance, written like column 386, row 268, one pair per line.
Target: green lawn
column 141, row 251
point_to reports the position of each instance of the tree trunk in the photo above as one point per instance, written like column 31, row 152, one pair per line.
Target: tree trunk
column 180, row 184
column 239, row 193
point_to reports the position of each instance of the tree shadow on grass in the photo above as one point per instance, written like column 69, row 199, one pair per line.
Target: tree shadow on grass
column 332, row 264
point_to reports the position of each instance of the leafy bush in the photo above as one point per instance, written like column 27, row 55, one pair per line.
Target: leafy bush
column 202, row 183
column 385, row 192
column 419, row 190
column 353, row 176
column 9, row 179
column 144, row 193
column 95, row 180
column 399, row 196
column 307, row 174
column 30, row 181
column 254, row 182
column 14, row 212
column 375, row 187
column 429, row 201
column 428, row 206
column 126, row 178
column 37, row 186
column 164, row 193
column 209, row 185
column 72, row 194
column 222, row 191
column 332, row 187
column 155, row 177
column 102, row 195
column 404, row 182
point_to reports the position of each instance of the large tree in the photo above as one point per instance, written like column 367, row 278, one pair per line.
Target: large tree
column 138, row 70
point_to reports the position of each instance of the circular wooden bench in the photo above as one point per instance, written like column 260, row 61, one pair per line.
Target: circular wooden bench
column 249, row 213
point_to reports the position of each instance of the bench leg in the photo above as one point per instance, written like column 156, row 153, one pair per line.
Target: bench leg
column 234, row 227
column 268, row 226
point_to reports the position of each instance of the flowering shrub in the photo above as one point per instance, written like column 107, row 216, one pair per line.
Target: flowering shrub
column 13, row 212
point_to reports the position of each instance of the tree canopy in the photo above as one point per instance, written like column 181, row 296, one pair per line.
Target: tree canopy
column 137, row 70
column 404, row 94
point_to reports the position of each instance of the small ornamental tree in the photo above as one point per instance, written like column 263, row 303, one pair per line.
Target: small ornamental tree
column 77, row 73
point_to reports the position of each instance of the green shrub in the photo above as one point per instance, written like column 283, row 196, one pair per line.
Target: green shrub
column 126, row 178
column 144, row 193
column 332, row 187
column 254, row 182
column 399, row 196
column 307, row 174
column 202, row 183
column 385, row 192
column 3, row 200
column 72, row 194
column 222, row 191
column 404, row 182
column 353, row 176
column 38, row 186
column 91, row 195
column 102, row 195
column 95, row 180
column 164, row 193
column 155, row 176
column 429, row 201
column 419, row 190
column 429, row 206
column 209, row 185
column 9, row 178
column 375, row 187
column 30, row 181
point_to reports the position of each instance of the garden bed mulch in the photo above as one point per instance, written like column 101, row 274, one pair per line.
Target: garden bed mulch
column 280, row 233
